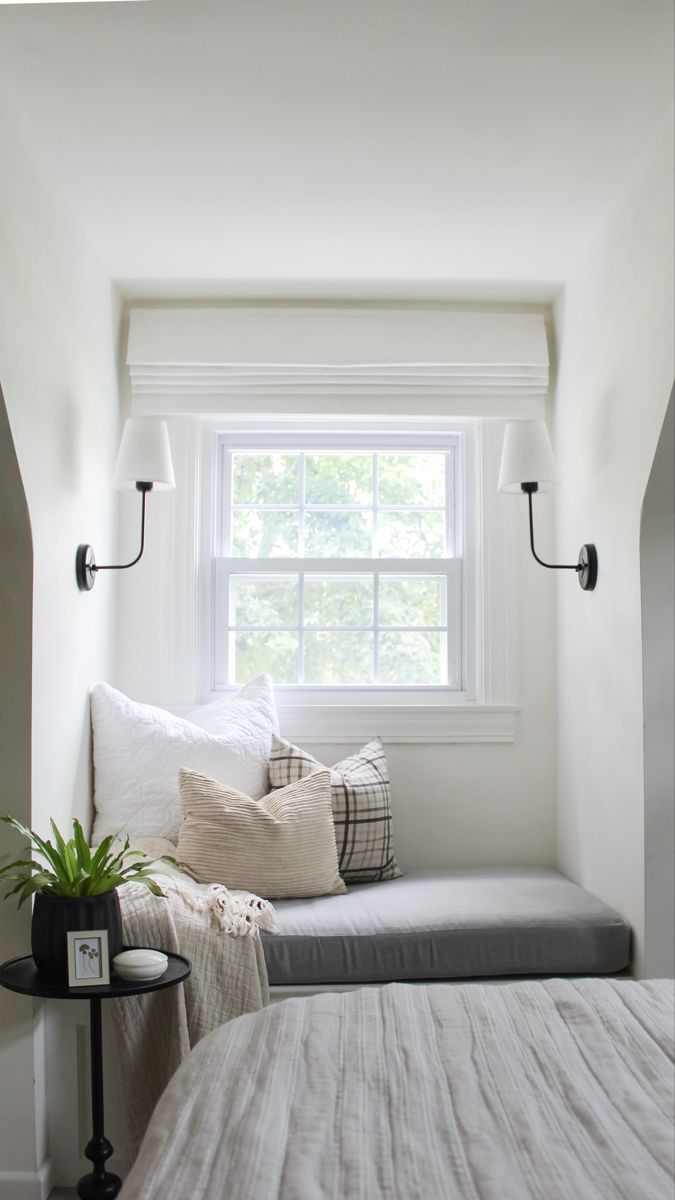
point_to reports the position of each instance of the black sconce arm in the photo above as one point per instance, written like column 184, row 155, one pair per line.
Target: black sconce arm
column 143, row 488
column 85, row 562
column 551, row 566
column 586, row 567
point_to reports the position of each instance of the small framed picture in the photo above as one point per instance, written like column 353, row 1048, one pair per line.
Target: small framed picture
column 88, row 963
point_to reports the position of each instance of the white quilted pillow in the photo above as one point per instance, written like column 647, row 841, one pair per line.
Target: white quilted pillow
column 250, row 713
column 139, row 750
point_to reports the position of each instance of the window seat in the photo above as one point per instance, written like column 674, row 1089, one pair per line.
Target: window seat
column 447, row 924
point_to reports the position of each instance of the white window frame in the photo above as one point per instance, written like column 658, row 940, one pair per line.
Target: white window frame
column 490, row 592
column 459, row 438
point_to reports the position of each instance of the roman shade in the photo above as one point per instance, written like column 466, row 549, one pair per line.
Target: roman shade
column 408, row 359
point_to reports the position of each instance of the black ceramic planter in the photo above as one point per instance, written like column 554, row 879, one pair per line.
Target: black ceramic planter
column 55, row 916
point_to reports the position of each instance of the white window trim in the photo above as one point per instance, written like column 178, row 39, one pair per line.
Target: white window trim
column 493, row 714
column 404, row 723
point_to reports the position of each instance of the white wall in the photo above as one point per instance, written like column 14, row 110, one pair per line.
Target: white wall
column 58, row 344
column 614, row 325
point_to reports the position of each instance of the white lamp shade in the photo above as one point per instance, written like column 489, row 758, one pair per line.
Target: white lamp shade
column 527, row 457
column 144, row 455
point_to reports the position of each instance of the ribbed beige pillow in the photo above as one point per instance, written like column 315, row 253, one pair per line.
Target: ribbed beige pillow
column 280, row 846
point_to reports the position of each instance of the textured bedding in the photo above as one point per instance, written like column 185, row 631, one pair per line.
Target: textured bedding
column 523, row 1091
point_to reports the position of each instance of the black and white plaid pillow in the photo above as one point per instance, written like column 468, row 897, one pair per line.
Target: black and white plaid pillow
column 361, row 809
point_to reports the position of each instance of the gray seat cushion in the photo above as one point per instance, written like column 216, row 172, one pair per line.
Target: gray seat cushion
column 452, row 924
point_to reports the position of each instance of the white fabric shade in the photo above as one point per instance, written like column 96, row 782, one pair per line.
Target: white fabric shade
column 144, row 455
column 404, row 360
column 527, row 457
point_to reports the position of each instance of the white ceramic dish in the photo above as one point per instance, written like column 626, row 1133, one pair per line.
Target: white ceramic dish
column 140, row 964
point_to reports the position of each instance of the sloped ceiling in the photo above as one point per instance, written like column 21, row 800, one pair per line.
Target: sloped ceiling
column 466, row 144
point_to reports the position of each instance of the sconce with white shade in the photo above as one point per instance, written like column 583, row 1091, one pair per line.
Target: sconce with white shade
column 528, row 466
column 143, row 463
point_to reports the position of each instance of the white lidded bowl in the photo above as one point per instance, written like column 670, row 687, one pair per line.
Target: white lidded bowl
column 140, row 964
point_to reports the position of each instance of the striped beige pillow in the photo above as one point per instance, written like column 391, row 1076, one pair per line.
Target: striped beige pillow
column 280, row 846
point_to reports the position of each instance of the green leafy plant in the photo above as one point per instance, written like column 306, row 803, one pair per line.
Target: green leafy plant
column 70, row 868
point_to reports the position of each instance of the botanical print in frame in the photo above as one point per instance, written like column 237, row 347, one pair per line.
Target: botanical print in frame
column 88, row 964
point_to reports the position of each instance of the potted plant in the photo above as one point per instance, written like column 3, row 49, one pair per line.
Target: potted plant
column 75, row 887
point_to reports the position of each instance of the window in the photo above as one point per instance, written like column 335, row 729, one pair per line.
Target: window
column 340, row 562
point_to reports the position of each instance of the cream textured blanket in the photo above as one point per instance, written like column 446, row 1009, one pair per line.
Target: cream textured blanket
column 218, row 931
column 526, row 1091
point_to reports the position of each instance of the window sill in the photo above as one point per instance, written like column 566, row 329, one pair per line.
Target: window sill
column 421, row 723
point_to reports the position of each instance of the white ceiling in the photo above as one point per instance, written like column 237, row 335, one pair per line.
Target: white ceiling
column 434, row 147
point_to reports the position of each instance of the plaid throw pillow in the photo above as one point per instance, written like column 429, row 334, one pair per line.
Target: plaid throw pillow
column 361, row 811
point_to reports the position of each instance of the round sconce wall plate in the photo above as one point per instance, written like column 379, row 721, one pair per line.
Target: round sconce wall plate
column 588, row 567
column 85, row 567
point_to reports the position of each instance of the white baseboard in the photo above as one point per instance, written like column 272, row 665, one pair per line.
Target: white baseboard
column 26, row 1185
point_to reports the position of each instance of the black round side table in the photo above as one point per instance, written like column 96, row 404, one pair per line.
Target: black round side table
column 21, row 975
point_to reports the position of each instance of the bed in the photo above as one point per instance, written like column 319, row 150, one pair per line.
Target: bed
column 517, row 1091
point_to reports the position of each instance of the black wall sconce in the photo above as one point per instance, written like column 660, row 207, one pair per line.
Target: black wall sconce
column 143, row 463
column 528, row 466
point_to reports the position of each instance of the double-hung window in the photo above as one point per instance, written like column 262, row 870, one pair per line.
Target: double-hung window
column 340, row 562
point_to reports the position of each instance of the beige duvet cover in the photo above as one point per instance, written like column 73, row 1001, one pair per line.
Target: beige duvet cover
column 544, row 1090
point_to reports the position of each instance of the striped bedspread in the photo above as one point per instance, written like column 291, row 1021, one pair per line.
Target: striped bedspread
column 545, row 1090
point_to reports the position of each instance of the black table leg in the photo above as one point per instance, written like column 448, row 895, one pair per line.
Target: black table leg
column 100, row 1184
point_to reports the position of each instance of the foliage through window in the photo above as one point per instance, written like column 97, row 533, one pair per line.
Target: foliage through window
column 340, row 565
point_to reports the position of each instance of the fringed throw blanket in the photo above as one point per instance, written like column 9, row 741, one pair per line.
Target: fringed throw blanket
column 218, row 931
